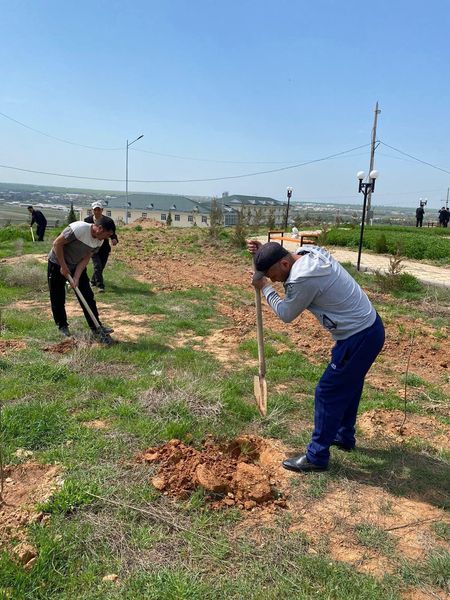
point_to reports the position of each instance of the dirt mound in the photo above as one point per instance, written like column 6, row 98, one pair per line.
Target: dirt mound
column 240, row 473
column 145, row 223
column 388, row 423
column 8, row 345
column 25, row 486
column 62, row 347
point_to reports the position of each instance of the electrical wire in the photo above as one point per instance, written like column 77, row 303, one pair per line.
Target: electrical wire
column 324, row 158
column 424, row 162
column 53, row 137
column 176, row 156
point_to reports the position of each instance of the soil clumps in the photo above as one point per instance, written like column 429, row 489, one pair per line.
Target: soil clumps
column 235, row 474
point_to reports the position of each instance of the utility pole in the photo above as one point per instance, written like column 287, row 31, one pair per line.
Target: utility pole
column 446, row 202
column 372, row 160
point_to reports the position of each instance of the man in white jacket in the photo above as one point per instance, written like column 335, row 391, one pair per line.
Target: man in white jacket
column 313, row 280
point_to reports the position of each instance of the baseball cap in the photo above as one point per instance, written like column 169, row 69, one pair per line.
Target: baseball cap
column 97, row 205
column 268, row 255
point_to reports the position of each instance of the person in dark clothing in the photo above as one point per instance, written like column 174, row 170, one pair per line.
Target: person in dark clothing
column 100, row 259
column 70, row 253
column 41, row 222
column 419, row 216
column 444, row 217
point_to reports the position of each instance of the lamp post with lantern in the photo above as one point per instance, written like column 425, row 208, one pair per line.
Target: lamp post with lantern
column 365, row 188
column 289, row 191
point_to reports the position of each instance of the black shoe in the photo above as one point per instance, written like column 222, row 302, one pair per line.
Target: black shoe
column 301, row 464
column 100, row 290
column 342, row 446
column 107, row 329
column 64, row 331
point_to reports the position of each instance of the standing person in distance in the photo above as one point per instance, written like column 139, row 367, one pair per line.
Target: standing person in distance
column 100, row 259
column 419, row 215
column 41, row 222
column 313, row 280
column 444, row 217
column 71, row 253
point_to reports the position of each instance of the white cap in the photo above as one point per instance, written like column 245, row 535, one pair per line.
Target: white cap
column 97, row 205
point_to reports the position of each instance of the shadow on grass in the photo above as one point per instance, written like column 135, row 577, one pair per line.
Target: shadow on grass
column 149, row 346
column 401, row 472
column 133, row 287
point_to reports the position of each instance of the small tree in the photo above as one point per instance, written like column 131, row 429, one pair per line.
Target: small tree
column 169, row 219
column 216, row 219
column 271, row 219
column 239, row 235
column 71, row 216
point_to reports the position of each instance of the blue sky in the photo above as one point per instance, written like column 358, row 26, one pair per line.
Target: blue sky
column 262, row 83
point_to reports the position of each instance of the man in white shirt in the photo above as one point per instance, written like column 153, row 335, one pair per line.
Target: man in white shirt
column 70, row 254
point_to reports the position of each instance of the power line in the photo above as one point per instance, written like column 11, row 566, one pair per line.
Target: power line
column 424, row 162
column 189, row 180
column 176, row 156
column 53, row 137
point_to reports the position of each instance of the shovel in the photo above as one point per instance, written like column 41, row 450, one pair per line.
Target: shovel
column 259, row 382
column 105, row 338
column 32, row 234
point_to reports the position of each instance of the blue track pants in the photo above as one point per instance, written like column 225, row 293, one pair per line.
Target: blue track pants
column 339, row 391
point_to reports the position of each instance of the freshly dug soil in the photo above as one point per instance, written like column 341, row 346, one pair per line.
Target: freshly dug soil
column 233, row 474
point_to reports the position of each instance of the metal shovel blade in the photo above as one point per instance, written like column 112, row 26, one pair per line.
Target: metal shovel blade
column 260, row 389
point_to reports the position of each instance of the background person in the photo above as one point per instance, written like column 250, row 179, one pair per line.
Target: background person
column 70, row 253
column 419, row 216
column 313, row 280
column 444, row 217
column 100, row 259
column 41, row 222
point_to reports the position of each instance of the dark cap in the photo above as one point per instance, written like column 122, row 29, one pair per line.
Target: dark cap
column 106, row 223
column 28, row 207
column 268, row 255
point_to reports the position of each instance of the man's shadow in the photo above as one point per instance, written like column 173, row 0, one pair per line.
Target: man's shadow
column 401, row 471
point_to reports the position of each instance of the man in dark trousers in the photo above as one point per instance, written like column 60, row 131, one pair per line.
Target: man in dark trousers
column 100, row 259
column 444, row 217
column 419, row 215
column 313, row 280
column 41, row 222
column 71, row 253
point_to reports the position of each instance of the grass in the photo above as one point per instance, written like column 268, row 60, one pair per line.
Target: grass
column 150, row 391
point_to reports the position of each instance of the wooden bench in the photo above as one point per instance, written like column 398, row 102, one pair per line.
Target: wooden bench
column 303, row 236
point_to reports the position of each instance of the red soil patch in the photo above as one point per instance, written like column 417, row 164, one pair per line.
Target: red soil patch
column 244, row 472
column 388, row 424
column 62, row 347
column 25, row 486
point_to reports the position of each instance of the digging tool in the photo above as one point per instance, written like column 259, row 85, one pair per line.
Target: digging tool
column 32, row 234
column 259, row 381
column 104, row 337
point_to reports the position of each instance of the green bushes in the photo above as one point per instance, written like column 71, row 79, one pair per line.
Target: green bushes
column 15, row 232
column 418, row 244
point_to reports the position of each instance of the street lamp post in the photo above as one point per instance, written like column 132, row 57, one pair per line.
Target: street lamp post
column 365, row 188
column 289, row 191
column 127, row 204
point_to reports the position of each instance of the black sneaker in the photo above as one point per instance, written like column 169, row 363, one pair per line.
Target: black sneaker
column 64, row 331
column 100, row 290
column 107, row 329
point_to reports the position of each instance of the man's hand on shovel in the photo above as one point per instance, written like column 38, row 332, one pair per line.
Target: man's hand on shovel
column 259, row 382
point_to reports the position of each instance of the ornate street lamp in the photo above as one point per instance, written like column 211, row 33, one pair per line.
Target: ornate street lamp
column 289, row 191
column 365, row 188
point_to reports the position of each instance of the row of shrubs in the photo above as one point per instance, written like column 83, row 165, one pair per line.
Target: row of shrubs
column 414, row 243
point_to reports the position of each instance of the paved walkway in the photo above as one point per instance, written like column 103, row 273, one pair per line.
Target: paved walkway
column 380, row 262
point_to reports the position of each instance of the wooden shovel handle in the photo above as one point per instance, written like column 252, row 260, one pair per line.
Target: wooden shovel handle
column 260, row 333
